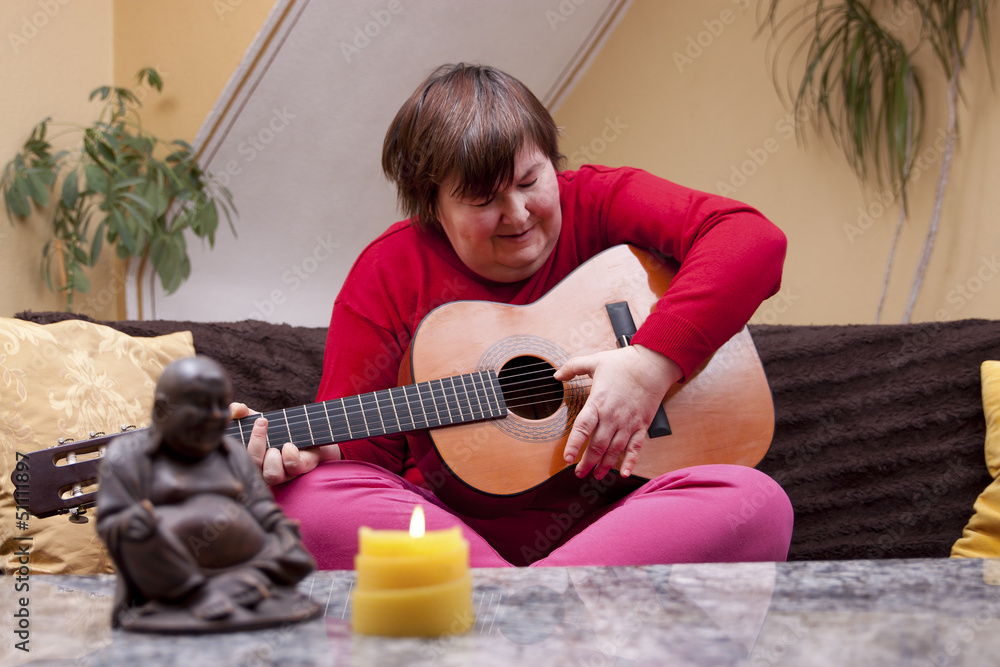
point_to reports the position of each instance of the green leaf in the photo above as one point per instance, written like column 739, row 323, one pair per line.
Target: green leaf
column 127, row 183
column 17, row 201
column 141, row 218
column 70, row 189
column 208, row 222
column 158, row 248
column 103, row 92
column 97, row 244
column 177, row 156
column 45, row 174
column 157, row 198
column 125, row 232
column 106, row 151
column 47, row 264
column 152, row 76
column 80, row 282
column 80, row 255
column 36, row 189
column 97, row 180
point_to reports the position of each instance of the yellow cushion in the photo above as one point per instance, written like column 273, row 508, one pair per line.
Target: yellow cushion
column 991, row 407
column 66, row 380
column 981, row 536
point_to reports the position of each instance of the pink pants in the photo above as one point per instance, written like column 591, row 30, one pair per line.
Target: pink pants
column 713, row 513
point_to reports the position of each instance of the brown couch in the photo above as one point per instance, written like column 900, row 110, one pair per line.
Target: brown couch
column 878, row 436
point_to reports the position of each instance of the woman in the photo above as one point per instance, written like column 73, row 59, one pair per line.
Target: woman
column 475, row 160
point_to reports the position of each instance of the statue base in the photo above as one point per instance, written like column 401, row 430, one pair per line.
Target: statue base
column 285, row 605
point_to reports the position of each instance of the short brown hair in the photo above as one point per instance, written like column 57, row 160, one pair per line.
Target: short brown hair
column 468, row 122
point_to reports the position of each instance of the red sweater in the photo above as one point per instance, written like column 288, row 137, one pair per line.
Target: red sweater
column 730, row 261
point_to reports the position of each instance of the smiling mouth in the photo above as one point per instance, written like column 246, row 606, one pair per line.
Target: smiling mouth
column 515, row 237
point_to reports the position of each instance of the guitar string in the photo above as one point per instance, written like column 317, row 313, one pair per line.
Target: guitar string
column 301, row 423
column 506, row 384
column 299, row 427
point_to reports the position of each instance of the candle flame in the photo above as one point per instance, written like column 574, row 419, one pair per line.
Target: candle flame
column 417, row 522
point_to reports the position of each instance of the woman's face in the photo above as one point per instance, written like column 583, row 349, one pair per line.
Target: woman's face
column 508, row 237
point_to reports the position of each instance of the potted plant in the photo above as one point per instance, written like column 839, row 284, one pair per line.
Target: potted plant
column 121, row 186
column 861, row 76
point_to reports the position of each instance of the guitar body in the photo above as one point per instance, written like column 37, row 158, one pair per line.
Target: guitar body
column 723, row 413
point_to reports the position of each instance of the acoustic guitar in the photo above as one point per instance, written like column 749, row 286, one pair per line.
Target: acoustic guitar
column 478, row 377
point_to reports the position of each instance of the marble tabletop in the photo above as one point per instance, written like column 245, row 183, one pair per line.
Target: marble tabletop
column 880, row 612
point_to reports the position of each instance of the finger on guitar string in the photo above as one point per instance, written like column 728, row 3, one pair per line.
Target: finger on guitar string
column 278, row 462
column 606, row 444
column 257, row 443
column 632, row 453
column 578, row 436
column 240, row 410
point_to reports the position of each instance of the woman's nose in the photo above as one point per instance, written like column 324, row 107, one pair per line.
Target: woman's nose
column 516, row 210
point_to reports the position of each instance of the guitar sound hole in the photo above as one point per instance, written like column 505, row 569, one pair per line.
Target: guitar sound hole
column 529, row 388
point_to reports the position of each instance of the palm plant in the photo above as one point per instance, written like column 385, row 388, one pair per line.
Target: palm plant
column 121, row 186
column 861, row 75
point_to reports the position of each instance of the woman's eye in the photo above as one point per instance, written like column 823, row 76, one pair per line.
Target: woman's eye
column 485, row 202
column 528, row 185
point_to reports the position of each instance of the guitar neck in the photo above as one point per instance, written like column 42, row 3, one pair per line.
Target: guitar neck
column 454, row 400
column 59, row 488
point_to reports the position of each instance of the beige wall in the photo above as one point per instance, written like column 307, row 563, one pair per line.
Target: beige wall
column 683, row 89
column 60, row 51
column 53, row 54
column 195, row 45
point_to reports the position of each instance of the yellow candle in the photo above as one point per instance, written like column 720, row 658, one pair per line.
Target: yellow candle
column 412, row 583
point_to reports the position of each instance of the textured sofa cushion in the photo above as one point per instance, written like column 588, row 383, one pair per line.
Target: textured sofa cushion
column 879, row 433
column 66, row 380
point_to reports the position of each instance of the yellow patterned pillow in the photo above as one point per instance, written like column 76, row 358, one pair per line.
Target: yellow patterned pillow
column 66, row 380
column 981, row 536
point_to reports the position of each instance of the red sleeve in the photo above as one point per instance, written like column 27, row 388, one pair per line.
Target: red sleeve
column 730, row 259
column 361, row 356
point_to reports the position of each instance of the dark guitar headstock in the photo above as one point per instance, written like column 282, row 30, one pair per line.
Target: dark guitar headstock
column 60, row 479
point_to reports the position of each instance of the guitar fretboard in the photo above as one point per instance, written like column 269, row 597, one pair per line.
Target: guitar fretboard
column 454, row 400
